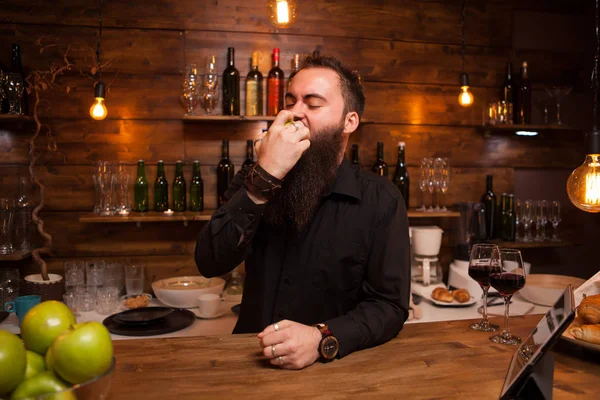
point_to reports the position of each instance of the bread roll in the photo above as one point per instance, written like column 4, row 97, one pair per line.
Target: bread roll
column 442, row 294
column 587, row 333
column 461, row 295
column 589, row 309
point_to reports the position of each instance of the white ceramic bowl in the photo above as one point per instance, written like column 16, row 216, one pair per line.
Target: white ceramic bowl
column 183, row 291
column 545, row 289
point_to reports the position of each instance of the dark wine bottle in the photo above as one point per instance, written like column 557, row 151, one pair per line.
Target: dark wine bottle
column 179, row 189
column 401, row 179
column 489, row 203
column 196, row 189
column 355, row 159
column 275, row 86
column 140, row 189
column 295, row 68
column 17, row 67
column 524, row 101
column 508, row 219
column 161, row 189
column 380, row 167
column 231, row 86
column 224, row 174
column 254, row 89
column 249, row 162
column 4, row 99
column 508, row 90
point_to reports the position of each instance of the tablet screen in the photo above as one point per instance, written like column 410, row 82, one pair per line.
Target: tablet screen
column 539, row 341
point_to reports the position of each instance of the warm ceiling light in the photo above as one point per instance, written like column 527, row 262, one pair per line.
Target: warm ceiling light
column 465, row 97
column 282, row 13
column 98, row 109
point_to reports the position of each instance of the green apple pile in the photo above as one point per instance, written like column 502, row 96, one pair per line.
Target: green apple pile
column 55, row 353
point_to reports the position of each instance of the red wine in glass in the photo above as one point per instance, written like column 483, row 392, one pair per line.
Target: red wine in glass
column 484, row 259
column 507, row 283
column 481, row 273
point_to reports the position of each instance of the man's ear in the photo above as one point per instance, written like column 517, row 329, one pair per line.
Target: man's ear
column 351, row 122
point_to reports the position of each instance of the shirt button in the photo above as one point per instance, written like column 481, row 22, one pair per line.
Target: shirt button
column 251, row 217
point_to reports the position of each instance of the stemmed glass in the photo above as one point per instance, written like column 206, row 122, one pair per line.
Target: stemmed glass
column 527, row 218
column 485, row 258
column 445, row 184
column 555, row 219
column 431, row 180
column 518, row 218
column 541, row 219
column 507, row 280
column 437, row 180
column 13, row 86
column 209, row 95
column 423, row 181
column 191, row 82
column 558, row 93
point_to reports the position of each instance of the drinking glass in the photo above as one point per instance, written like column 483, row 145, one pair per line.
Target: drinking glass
column 13, row 87
column 74, row 274
column 507, row 280
column 555, row 220
column 191, row 84
column 445, row 184
column 541, row 219
column 484, row 259
column 437, row 181
column 518, row 219
column 424, row 179
column 134, row 279
column 431, row 180
column 558, row 93
column 7, row 211
column 114, row 276
column 107, row 300
column 86, row 298
column 9, row 288
column 22, row 222
column 94, row 271
column 121, row 180
column 528, row 216
column 71, row 300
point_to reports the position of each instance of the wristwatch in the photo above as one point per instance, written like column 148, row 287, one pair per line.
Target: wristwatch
column 329, row 345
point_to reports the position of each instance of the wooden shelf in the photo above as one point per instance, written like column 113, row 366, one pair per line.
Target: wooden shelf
column 226, row 118
column 535, row 245
column 433, row 214
column 16, row 117
column 530, row 128
column 150, row 216
column 16, row 256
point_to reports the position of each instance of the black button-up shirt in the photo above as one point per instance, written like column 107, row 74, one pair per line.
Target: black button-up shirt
column 349, row 268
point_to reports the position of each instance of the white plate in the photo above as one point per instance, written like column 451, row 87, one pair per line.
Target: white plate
column 454, row 303
column 224, row 310
column 569, row 338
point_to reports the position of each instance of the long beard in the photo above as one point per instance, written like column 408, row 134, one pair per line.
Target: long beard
column 304, row 186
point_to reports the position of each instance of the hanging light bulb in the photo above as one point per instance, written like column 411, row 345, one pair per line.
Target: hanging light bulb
column 282, row 13
column 465, row 98
column 98, row 109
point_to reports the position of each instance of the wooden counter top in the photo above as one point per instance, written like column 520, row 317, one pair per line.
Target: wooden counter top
column 429, row 360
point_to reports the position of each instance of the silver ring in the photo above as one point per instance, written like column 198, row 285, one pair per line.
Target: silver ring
column 280, row 360
column 273, row 351
column 276, row 327
column 295, row 126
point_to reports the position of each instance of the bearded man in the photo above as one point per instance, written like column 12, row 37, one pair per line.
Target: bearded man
column 326, row 245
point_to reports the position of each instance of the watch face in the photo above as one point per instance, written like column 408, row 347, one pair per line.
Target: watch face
column 329, row 347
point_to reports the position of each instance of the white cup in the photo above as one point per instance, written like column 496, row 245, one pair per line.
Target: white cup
column 209, row 305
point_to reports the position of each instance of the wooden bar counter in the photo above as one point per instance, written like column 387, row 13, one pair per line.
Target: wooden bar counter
column 427, row 360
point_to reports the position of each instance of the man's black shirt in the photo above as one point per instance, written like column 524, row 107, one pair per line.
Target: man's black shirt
column 349, row 268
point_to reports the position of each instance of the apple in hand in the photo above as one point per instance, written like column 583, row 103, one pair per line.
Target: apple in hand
column 35, row 364
column 43, row 323
column 13, row 361
column 43, row 383
column 82, row 352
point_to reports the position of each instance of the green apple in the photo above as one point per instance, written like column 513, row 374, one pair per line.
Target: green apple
column 43, row 323
column 43, row 383
column 35, row 364
column 50, row 359
column 12, row 362
column 82, row 352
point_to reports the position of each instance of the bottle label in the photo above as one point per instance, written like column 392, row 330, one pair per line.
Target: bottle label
column 252, row 98
column 274, row 96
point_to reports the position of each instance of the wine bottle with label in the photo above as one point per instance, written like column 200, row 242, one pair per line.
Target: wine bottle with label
column 275, row 86
column 179, row 188
column 231, row 86
column 249, row 162
column 161, row 189
column 524, row 101
column 507, row 94
column 196, row 189
column 401, row 179
column 380, row 167
column 224, row 174
column 254, row 89
column 489, row 203
column 140, row 189
column 355, row 159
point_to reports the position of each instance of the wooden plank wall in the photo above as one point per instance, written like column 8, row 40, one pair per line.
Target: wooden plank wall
column 408, row 53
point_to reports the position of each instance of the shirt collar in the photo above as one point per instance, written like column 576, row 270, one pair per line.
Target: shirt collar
column 346, row 181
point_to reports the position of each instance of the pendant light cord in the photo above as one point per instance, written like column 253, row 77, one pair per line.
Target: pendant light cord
column 595, row 68
column 98, row 54
column 463, row 45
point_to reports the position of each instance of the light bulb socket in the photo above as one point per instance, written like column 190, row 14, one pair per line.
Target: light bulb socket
column 100, row 90
column 464, row 79
column 592, row 140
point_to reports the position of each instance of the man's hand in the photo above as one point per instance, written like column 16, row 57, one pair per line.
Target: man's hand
column 293, row 346
column 282, row 146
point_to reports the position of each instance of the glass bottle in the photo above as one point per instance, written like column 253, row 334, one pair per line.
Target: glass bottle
column 275, row 86
column 380, row 167
column 22, row 224
column 196, row 189
column 179, row 188
column 161, row 189
column 231, row 86
column 224, row 174
column 401, row 179
column 249, row 162
column 254, row 89
column 140, row 189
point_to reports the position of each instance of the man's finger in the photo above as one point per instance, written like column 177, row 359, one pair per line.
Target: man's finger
column 274, row 327
column 283, row 117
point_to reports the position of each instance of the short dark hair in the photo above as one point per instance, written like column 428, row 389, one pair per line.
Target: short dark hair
column 350, row 82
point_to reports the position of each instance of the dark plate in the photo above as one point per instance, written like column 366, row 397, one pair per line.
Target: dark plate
column 174, row 321
column 144, row 315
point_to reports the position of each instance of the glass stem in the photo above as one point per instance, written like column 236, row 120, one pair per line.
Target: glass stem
column 485, row 315
column 506, row 332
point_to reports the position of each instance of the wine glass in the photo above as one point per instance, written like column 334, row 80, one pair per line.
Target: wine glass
column 518, row 218
column 485, row 258
column 541, row 219
column 527, row 218
column 209, row 93
column 191, row 83
column 507, row 280
column 555, row 219
column 431, row 180
column 445, row 184
column 424, row 179
column 437, row 181
column 558, row 93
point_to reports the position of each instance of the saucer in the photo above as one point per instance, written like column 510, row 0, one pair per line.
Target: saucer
column 222, row 311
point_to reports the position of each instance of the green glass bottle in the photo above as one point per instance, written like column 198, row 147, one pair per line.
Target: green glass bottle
column 161, row 189
column 179, row 200
column 141, row 189
column 196, row 189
